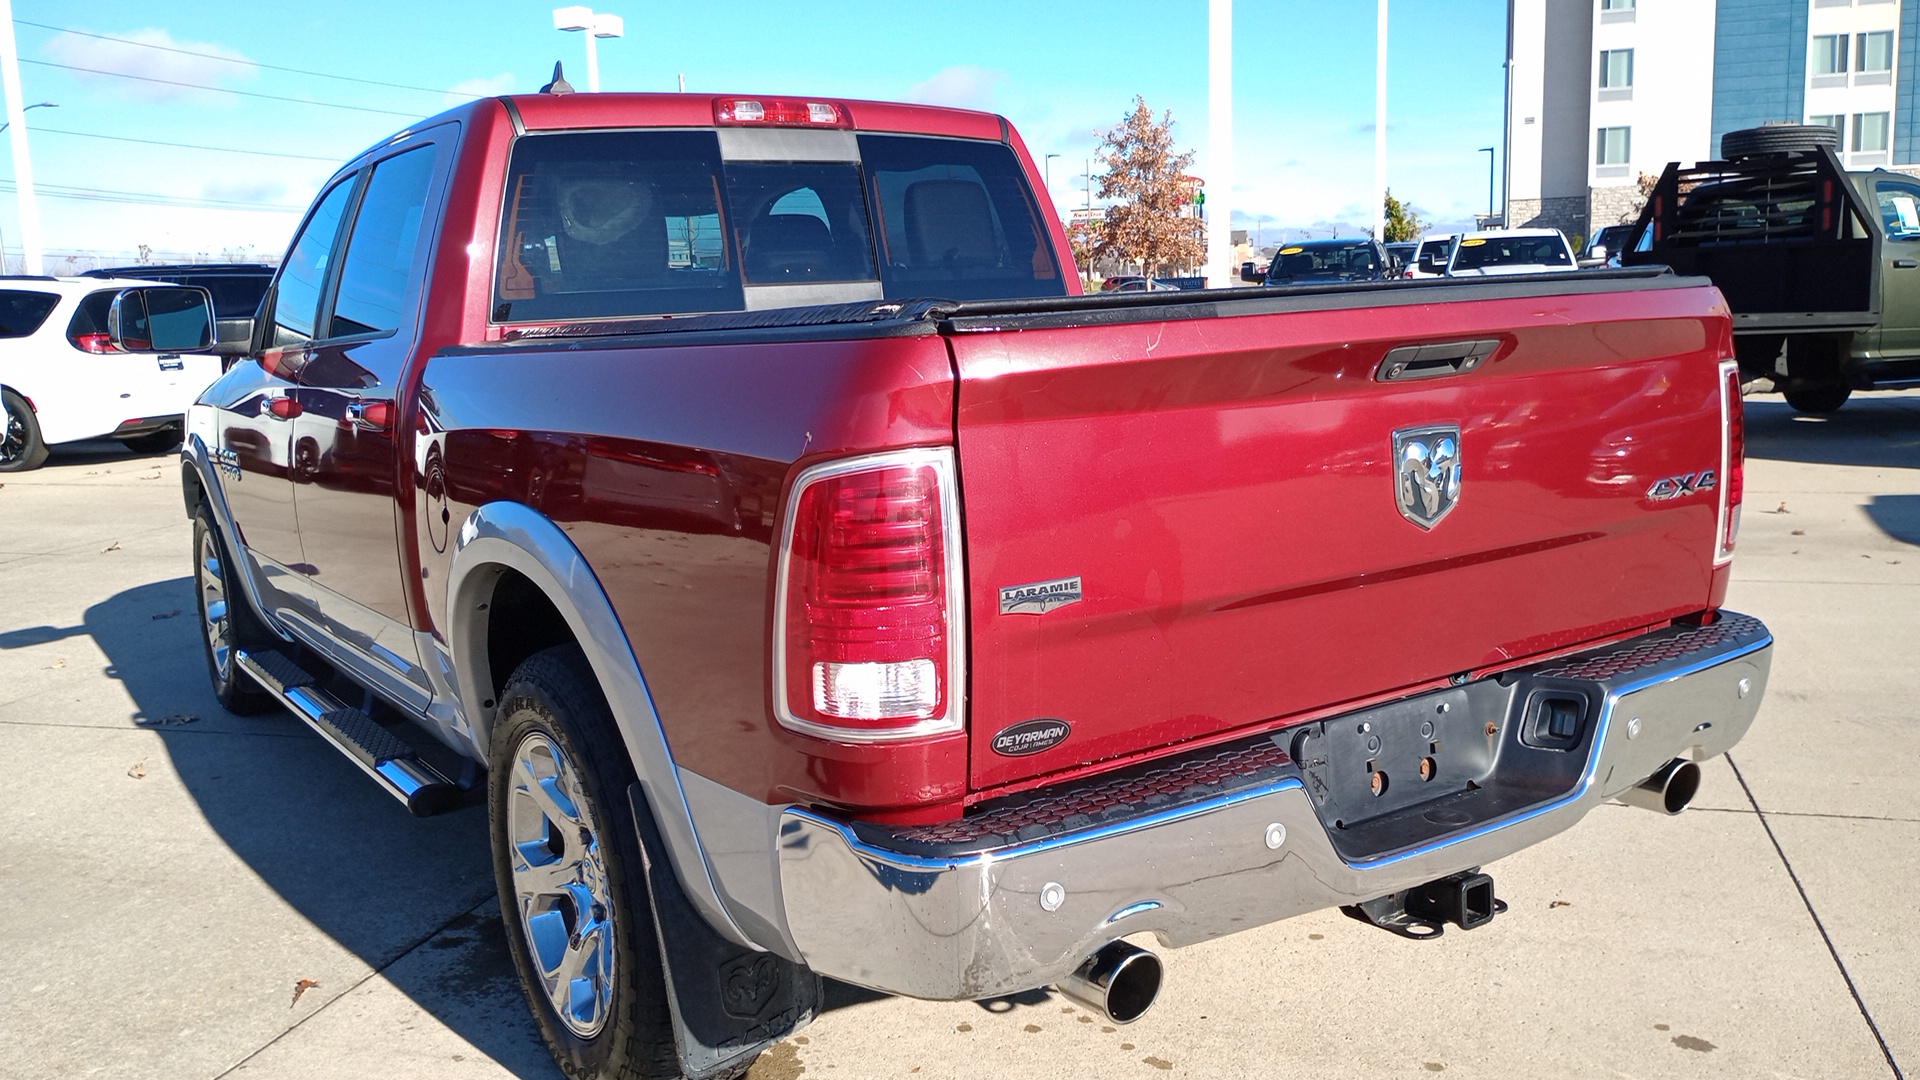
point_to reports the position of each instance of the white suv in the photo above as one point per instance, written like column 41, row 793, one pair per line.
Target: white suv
column 89, row 358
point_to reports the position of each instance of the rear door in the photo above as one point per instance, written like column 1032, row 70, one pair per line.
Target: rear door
column 1179, row 526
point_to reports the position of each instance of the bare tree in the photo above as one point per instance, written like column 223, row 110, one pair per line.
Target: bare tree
column 1150, row 223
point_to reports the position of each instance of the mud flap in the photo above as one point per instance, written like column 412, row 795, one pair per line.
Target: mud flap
column 728, row 1003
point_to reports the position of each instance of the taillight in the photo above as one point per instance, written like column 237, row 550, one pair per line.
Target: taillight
column 93, row 343
column 869, row 641
column 779, row 112
column 1733, row 462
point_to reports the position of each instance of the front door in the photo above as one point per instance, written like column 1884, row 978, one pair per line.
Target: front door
column 1898, row 201
column 256, row 415
column 348, row 424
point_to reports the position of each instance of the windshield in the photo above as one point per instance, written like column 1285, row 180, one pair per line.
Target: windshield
column 1477, row 252
column 1299, row 261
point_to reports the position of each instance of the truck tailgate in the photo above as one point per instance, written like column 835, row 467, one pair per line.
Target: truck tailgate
column 1222, row 480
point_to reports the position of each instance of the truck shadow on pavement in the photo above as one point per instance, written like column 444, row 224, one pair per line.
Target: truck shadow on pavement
column 413, row 899
column 1872, row 430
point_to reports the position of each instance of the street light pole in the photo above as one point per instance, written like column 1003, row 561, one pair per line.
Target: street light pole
column 1089, row 176
column 1219, row 222
column 1380, row 127
column 22, row 162
column 597, row 25
column 1047, row 166
column 1488, row 150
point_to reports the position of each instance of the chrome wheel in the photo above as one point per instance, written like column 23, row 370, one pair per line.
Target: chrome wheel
column 213, row 606
column 560, row 884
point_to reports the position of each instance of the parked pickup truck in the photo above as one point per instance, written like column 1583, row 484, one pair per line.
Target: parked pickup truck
column 736, row 496
column 1820, row 266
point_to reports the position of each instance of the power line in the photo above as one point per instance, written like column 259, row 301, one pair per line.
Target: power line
column 217, row 89
column 233, row 60
column 148, row 198
column 37, row 130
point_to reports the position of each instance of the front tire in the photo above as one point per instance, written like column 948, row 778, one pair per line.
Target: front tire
column 227, row 620
column 21, row 447
column 572, row 883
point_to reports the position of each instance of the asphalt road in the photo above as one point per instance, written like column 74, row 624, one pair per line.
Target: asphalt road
column 187, row 894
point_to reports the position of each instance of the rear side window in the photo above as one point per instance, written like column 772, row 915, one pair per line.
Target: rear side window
column 378, row 269
column 235, row 296
column 614, row 224
column 87, row 330
column 955, row 220
column 22, row 312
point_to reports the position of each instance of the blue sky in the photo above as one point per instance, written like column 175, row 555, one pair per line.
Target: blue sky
column 1303, row 94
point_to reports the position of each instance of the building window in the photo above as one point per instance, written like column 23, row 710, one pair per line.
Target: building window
column 1836, row 121
column 1873, row 57
column 1870, row 133
column 1616, row 5
column 1616, row 11
column 1829, row 54
column 1614, row 146
column 1616, row 69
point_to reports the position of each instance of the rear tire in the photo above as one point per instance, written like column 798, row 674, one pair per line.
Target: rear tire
column 21, row 448
column 1777, row 139
column 1815, row 398
column 228, row 622
column 572, row 883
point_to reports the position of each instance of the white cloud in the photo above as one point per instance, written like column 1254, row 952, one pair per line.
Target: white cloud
column 250, row 191
column 134, row 56
column 468, row 89
column 962, row 87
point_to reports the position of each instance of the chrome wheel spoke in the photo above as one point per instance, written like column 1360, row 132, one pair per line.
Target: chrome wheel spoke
column 561, row 886
column 213, row 606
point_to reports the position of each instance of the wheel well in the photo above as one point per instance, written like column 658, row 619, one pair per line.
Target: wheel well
column 521, row 621
column 190, row 488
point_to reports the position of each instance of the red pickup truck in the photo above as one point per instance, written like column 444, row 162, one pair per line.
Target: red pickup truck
column 737, row 496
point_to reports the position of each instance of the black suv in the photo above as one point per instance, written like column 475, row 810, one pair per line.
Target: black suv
column 236, row 289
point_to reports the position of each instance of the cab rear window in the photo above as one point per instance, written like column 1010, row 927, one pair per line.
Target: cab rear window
column 601, row 225
column 22, row 312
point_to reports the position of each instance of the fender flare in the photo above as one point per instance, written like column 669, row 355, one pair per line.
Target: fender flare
column 512, row 536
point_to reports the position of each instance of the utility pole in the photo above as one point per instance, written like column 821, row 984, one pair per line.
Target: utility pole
column 1089, row 175
column 1219, row 219
column 17, row 124
column 1380, row 127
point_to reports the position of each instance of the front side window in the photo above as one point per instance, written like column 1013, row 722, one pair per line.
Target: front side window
column 1876, row 51
column 22, row 311
column 1900, row 210
column 1870, row 132
column 1616, row 69
column 304, row 276
column 1613, row 146
column 377, row 273
column 1829, row 54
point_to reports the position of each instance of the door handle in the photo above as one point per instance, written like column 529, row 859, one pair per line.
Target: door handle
column 172, row 362
column 1905, row 264
column 280, row 408
column 1434, row 361
column 370, row 415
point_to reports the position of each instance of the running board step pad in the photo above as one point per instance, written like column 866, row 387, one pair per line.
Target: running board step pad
column 381, row 754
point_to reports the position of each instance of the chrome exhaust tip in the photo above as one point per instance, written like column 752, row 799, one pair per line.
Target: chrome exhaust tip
column 1118, row 982
column 1669, row 790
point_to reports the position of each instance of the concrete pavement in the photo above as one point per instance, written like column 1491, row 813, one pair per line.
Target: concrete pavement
column 169, row 874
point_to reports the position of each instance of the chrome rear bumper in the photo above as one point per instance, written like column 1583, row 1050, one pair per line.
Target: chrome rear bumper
column 934, row 913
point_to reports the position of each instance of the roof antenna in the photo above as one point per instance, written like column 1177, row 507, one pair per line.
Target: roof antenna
column 559, row 85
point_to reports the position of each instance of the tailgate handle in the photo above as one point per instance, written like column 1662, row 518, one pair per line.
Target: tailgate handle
column 1433, row 361
column 1905, row 264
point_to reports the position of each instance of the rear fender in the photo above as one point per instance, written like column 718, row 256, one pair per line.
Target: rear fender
column 502, row 536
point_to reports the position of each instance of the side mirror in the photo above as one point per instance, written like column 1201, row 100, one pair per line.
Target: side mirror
column 172, row 318
column 1598, row 251
column 1248, row 273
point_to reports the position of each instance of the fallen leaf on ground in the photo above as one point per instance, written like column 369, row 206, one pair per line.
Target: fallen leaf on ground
column 168, row 721
column 1782, row 509
column 166, row 615
column 139, row 770
column 299, row 988
column 1560, row 903
column 1799, row 532
column 58, row 662
column 155, row 476
column 115, row 546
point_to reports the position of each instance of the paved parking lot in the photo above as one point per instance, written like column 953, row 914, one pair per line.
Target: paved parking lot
column 187, row 894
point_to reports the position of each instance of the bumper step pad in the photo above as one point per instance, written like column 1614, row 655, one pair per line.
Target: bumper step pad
column 381, row 753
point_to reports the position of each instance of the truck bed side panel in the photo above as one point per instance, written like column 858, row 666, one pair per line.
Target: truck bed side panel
column 1225, row 490
column 665, row 465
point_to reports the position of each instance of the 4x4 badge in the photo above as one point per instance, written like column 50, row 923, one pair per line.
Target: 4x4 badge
column 1426, row 472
